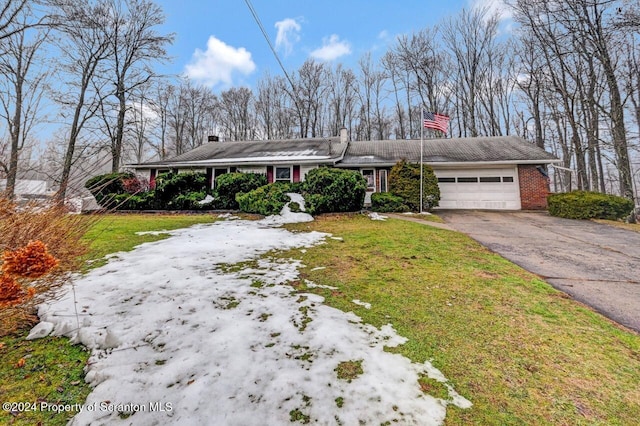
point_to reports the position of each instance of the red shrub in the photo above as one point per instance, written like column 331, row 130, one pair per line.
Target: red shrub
column 135, row 185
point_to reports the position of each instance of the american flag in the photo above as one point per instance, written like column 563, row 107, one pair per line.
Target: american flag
column 432, row 120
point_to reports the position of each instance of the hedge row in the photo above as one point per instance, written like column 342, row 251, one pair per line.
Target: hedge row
column 173, row 191
column 325, row 190
column 386, row 202
column 589, row 205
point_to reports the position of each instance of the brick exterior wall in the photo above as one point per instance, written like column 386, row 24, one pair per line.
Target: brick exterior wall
column 534, row 187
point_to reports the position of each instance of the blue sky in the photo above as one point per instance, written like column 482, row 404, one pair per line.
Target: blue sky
column 219, row 44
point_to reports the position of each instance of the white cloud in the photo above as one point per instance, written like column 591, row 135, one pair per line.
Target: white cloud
column 288, row 34
column 217, row 64
column 493, row 7
column 332, row 48
column 383, row 35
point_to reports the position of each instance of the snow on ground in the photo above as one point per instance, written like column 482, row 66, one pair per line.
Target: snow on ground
column 361, row 303
column 201, row 329
column 377, row 216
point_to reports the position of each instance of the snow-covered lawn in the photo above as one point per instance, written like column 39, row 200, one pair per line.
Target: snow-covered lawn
column 203, row 329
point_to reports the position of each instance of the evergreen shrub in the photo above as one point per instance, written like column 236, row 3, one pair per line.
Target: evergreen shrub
column 589, row 205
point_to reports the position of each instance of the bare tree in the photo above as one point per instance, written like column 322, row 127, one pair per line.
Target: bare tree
column 398, row 76
column 134, row 44
column 84, row 47
column 308, row 97
column 341, row 100
column 201, row 114
column 470, row 38
column 177, row 117
column 10, row 11
column 273, row 108
column 21, row 91
column 530, row 80
column 371, row 93
column 140, row 116
column 237, row 114
column 159, row 104
column 570, row 35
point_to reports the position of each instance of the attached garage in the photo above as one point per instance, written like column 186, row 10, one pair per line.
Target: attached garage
column 488, row 173
column 490, row 189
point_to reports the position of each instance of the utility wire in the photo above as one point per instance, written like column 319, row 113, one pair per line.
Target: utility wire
column 266, row 37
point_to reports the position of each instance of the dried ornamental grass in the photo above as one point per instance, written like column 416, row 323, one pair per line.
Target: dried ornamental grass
column 41, row 244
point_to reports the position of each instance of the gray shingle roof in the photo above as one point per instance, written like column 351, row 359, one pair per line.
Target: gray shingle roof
column 275, row 150
column 456, row 150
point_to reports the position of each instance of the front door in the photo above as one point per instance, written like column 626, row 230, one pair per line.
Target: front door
column 370, row 177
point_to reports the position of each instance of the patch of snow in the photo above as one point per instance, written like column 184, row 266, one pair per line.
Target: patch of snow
column 208, row 199
column 42, row 329
column 337, row 238
column 287, row 216
column 311, row 284
column 228, row 216
column 363, row 304
column 168, row 327
column 318, row 268
column 161, row 232
column 376, row 216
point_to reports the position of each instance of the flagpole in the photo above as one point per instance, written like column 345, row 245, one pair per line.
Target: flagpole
column 421, row 142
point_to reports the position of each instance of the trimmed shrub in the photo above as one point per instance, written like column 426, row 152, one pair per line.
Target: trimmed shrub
column 404, row 181
column 171, row 185
column 386, row 202
column 295, row 207
column 266, row 200
column 229, row 185
column 589, row 205
column 105, row 187
column 295, row 187
column 334, row 190
column 188, row 201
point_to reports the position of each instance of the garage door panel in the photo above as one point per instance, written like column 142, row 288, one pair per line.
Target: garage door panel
column 495, row 193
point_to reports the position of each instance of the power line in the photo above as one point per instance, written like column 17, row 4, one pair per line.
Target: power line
column 266, row 37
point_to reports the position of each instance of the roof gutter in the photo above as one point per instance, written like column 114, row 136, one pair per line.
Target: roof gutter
column 205, row 163
column 443, row 164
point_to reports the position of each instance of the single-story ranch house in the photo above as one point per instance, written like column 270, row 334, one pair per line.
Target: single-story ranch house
column 504, row 172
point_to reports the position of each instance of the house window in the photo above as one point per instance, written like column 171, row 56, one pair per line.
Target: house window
column 446, row 180
column 489, row 179
column 467, row 179
column 283, row 174
column 383, row 181
column 507, row 178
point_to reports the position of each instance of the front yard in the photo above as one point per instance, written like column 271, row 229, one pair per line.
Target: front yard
column 521, row 351
column 518, row 350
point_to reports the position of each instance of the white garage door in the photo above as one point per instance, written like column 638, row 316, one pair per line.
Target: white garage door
column 492, row 189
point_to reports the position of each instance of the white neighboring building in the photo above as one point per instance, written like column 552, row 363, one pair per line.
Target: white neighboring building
column 27, row 188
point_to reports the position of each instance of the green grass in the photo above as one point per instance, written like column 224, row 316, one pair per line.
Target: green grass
column 521, row 351
column 52, row 373
column 619, row 224
column 53, row 368
column 114, row 233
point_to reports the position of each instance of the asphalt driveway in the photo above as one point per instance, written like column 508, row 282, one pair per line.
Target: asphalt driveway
column 598, row 265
